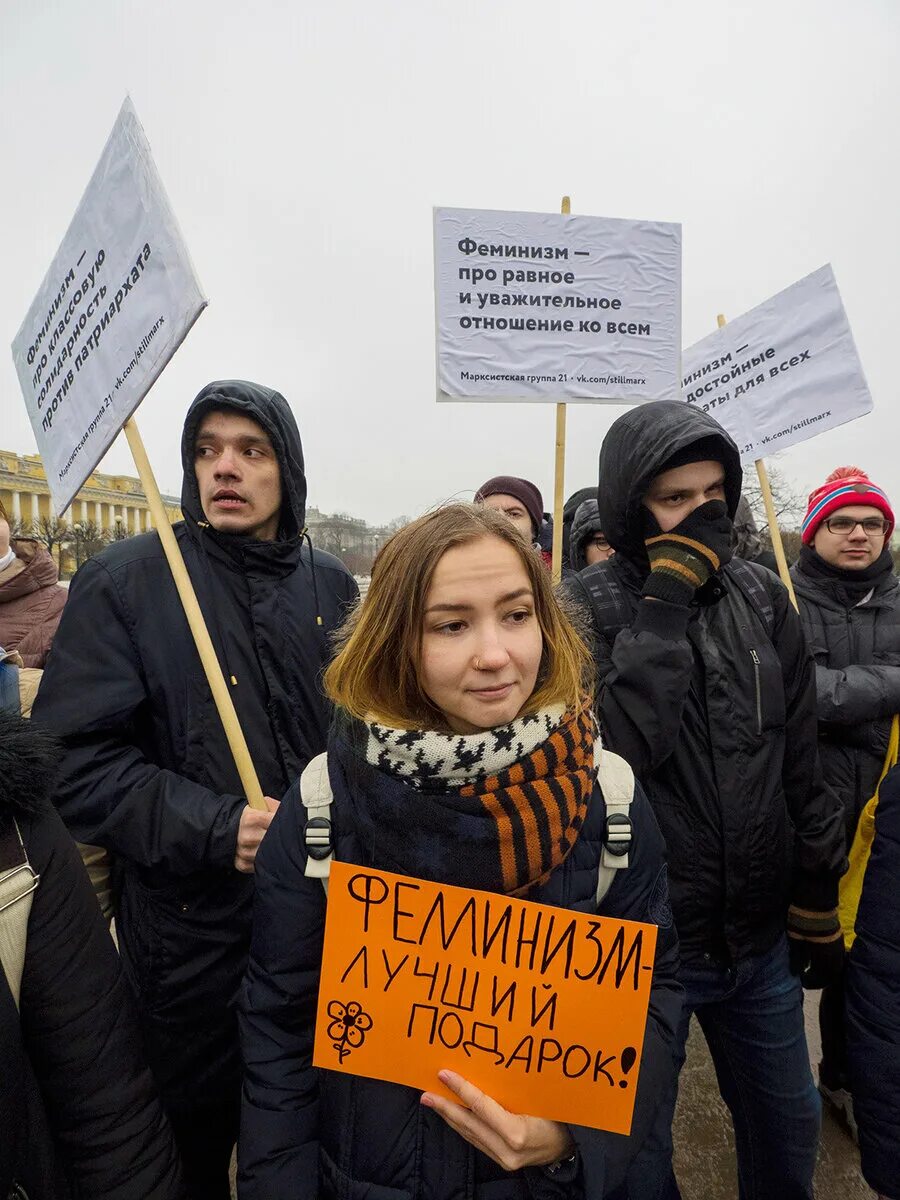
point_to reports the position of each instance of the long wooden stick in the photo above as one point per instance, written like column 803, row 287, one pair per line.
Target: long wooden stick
column 772, row 518
column 219, row 688
column 559, row 477
column 774, row 531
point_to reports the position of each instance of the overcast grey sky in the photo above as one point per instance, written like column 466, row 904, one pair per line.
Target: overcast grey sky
column 304, row 145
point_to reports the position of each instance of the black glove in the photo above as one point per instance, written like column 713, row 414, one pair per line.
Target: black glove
column 815, row 945
column 684, row 558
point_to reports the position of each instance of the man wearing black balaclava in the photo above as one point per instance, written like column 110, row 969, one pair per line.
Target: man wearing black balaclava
column 706, row 687
column 146, row 770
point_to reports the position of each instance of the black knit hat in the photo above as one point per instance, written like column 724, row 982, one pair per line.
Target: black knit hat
column 524, row 491
column 707, row 449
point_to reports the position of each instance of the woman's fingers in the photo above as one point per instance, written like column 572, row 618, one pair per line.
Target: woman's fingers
column 511, row 1140
column 471, row 1127
column 476, row 1101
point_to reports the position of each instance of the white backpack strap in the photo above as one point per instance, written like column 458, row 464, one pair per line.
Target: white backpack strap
column 18, row 881
column 316, row 794
column 616, row 781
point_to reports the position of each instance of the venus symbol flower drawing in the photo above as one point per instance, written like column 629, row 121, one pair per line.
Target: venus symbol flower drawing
column 348, row 1026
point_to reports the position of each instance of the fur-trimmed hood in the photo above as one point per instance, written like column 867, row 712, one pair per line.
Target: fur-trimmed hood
column 28, row 761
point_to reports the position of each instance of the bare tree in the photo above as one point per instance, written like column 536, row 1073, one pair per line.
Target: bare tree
column 119, row 532
column 790, row 502
column 87, row 539
column 50, row 532
column 19, row 528
column 397, row 523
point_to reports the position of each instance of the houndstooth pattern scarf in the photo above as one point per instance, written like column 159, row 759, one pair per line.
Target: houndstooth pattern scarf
column 423, row 757
column 466, row 810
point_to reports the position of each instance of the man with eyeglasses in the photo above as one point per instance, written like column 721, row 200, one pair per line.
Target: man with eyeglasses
column 849, row 600
column 587, row 541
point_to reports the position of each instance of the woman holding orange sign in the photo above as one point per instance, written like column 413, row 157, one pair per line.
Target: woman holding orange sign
column 463, row 751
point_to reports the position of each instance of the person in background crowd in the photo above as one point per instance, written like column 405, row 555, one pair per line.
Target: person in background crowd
column 79, row 1113
column 517, row 499
column 146, row 770
column 747, row 542
column 545, row 539
column 31, row 604
column 569, row 510
column 706, row 688
column 587, row 541
column 873, row 1002
column 469, row 706
column 31, row 598
column 849, row 602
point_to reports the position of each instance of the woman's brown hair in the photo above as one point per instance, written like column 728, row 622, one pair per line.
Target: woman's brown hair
column 376, row 670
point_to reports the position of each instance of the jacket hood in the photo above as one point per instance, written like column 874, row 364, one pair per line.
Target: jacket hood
column 578, row 498
column 747, row 542
column 270, row 410
column 28, row 758
column 585, row 524
column 635, row 450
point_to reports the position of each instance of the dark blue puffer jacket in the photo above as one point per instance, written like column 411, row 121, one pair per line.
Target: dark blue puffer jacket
column 873, row 1001
column 311, row 1135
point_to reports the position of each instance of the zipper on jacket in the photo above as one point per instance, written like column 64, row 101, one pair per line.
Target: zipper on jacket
column 755, row 658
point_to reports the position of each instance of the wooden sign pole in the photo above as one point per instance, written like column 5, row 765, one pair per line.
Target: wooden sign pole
column 219, row 688
column 560, row 472
column 772, row 518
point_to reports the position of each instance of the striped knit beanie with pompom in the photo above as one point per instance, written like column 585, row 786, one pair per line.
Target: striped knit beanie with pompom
column 845, row 486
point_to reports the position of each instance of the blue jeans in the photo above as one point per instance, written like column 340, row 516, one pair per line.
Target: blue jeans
column 752, row 1018
column 9, row 688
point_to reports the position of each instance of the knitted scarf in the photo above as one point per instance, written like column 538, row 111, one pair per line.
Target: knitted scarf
column 497, row 810
column 846, row 586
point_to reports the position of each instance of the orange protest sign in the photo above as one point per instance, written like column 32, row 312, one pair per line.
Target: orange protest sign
column 541, row 1008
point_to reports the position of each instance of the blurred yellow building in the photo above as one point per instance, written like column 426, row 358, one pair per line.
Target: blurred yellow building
column 113, row 504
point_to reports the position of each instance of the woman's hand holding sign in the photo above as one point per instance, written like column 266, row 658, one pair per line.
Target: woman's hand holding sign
column 511, row 1140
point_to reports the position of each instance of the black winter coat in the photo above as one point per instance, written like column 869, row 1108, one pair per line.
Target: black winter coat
column 79, row 1115
column 146, row 770
column 857, row 655
column 320, row 1135
column 714, row 712
column 873, row 1001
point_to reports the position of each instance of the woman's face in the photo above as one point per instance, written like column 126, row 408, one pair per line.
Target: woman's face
column 481, row 640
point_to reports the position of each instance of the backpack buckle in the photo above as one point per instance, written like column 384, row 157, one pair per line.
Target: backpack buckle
column 618, row 834
column 317, row 835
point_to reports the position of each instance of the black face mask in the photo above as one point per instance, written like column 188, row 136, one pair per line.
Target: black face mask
column 848, row 587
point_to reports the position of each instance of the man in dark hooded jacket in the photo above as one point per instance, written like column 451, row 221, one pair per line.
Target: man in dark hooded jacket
column 147, row 772
column 587, row 541
column 570, row 508
column 706, row 687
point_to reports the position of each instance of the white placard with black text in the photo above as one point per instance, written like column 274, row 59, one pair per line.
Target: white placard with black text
column 116, row 303
column 546, row 307
column 781, row 373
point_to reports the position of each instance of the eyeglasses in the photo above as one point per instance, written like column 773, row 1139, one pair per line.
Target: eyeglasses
column 870, row 526
column 600, row 542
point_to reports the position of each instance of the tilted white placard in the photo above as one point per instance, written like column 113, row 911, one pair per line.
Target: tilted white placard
column 783, row 372
column 116, row 303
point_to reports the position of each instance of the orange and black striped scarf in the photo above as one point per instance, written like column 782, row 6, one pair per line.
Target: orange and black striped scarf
column 503, row 831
